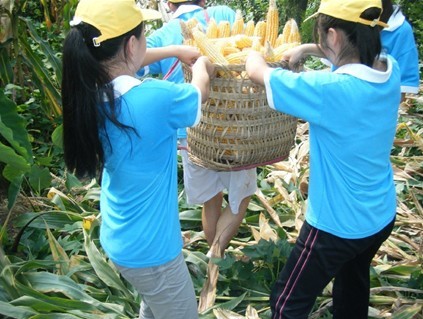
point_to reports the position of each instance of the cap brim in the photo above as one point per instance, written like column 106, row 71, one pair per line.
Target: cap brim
column 312, row 16
column 150, row 14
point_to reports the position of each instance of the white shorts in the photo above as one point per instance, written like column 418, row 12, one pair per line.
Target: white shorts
column 202, row 184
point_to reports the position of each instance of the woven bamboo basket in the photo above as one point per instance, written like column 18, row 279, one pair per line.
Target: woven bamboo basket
column 237, row 129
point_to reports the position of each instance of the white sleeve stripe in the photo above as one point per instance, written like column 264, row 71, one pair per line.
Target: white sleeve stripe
column 268, row 88
column 197, row 119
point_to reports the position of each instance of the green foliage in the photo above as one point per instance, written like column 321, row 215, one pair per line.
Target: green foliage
column 53, row 267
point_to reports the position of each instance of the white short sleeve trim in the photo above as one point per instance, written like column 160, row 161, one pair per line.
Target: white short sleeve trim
column 197, row 119
column 268, row 87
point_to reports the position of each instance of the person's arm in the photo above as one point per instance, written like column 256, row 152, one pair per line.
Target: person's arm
column 187, row 54
column 296, row 55
column 256, row 66
column 202, row 71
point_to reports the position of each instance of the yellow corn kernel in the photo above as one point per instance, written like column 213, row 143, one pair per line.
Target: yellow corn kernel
column 249, row 28
column 260, row 31
column 279, row 40
column 186, row 32
column 223, row 29
column 190, row 42
column 227, row 49
column 212, row 29
column 237, row 58
column 221, row 44
column 238, row 26
column 272, row 23
column 286, row 32
column 256, row 46
column 242, row 41
column 279, row 51
column 294, row 34
column 268, row 53
column 207, row 48
column 191, row 23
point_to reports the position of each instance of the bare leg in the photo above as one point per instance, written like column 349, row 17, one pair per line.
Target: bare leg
column 228, row 224
column 212, row 209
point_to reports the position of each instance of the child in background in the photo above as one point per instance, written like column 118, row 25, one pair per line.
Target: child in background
column 352, row 113
column 204, row 186
column 129, row 128
column 398, row 41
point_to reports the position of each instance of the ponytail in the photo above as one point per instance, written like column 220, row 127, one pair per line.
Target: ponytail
column 86, row 86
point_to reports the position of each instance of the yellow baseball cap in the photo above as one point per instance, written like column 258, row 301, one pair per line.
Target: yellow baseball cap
column 350, row 10
column 178, row 1
column 112, row 17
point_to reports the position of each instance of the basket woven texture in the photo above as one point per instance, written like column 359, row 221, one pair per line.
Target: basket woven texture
column 237, row 129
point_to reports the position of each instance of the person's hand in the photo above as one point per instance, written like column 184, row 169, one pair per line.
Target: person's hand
column 206, row 63
column 255, row 65
column 294, row 58
column 202, row 71
column 187, row 54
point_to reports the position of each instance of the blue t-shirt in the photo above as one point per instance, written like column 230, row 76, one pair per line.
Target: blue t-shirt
column 170, row 34
column 139, row 205
column 352, row 114
column 398, row 41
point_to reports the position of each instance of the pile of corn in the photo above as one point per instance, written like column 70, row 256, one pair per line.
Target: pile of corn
column 225, row 45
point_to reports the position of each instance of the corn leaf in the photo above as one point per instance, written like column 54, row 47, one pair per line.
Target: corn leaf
column 103, row 270
column 19, row 312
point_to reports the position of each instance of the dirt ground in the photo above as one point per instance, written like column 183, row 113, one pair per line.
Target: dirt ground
column 22, row 205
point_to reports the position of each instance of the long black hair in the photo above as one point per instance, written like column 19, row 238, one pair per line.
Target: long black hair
column 363, row 41
column 388, row 10
column 86, row 85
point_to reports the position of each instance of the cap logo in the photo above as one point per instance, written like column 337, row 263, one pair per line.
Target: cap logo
column 95, row 42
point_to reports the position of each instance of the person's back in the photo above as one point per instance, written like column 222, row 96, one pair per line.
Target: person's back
column 141, row 164
column 350, row 144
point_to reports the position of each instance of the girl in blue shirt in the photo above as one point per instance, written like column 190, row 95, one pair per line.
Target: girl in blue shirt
column 128, row 128
column 352, row 113
column 398, row 41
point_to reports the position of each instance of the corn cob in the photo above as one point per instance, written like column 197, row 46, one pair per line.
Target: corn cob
column 207, row 48
column 279, row 40
column 186, row 32
column 249, row 28
column 227, row 49
column 260, row 31
column 237, row 58
column 256, row 46
column 272, row 23
column 190, row 42
column 279, row 51
column 268, row 53
column 286, row 32
column 242, row 41
column 212, row 29
column 223, row 29
column 294, row 34
column 238, row 26
column 221, row 44
column 191, row 23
